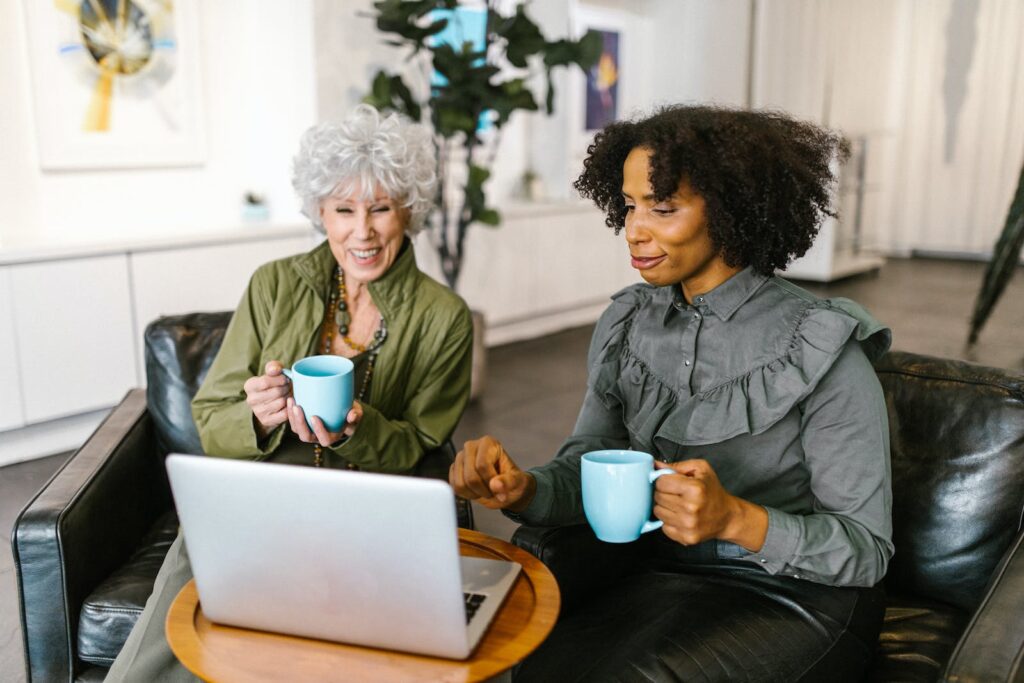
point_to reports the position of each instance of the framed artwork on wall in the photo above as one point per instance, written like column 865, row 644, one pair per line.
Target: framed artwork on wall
column 602, row 104
column 615, row 87
column 115, row 83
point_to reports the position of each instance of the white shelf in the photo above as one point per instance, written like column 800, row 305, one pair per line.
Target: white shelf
column 34, row 248
column 843, row 265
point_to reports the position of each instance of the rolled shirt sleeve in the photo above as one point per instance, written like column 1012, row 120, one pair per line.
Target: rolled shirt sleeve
column 559, row 496
column 847, row 538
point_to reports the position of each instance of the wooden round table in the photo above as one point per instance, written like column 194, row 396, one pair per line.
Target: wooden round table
column 226, row 653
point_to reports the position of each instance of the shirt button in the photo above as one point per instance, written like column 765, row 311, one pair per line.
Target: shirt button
column 686, row 362
column 699, row 299
column 696, row 316
column 678, row 305
column 764, row 561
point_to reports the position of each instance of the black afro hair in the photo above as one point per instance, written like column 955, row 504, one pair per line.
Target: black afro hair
column 765, row 177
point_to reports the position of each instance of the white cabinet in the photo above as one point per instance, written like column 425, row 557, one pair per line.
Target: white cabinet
column 201, row 278
column 546, row 267
column 11, row 414
column 74, row 335
column 72, row 317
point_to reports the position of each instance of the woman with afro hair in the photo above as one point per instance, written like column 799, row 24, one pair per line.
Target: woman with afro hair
column 760, row 398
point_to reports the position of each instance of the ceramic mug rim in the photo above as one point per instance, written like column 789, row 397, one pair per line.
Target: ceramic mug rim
column 618, row 456
column 347, row 366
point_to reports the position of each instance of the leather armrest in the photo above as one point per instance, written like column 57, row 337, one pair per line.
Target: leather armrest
column 992, row 646
column 580, row 562
column 84, row 523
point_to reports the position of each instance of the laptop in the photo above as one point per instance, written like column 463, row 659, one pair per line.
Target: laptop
column 353, row 557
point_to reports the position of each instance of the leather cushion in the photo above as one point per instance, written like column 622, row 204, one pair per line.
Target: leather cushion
column 111, row 610
column 957, row 433
column 179, row 352
column 93, row 674
column 917, row 640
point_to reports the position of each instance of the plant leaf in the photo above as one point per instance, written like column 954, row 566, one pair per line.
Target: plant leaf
column 1005, row 257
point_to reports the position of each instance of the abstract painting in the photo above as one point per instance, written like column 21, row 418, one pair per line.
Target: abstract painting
column 603, row 84
column 115, row 83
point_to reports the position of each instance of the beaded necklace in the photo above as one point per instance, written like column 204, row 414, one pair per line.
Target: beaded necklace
column 341, row 319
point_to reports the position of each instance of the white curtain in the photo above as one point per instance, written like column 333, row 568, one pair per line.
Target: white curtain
column 933, row 88
column 960, row 142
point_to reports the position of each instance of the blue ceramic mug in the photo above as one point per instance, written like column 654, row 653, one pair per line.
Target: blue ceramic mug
column 618, row 493
column 323, row 386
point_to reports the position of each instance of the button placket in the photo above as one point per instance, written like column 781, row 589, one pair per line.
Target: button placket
column 689, row 348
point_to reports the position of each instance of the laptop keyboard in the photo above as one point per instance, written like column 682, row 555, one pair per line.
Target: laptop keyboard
column 473, row 602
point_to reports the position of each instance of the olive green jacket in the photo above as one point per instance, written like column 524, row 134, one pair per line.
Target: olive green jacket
column 420, row 382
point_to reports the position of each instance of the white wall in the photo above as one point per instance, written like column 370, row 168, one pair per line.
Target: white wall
column 258, row 96
column 700, row 51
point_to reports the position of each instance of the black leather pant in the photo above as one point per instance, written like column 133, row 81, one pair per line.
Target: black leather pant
column 674, row 613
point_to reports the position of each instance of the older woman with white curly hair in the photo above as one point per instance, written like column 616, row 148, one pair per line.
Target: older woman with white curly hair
column 367, row 183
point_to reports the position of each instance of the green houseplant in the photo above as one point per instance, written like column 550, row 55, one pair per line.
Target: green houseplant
column 1005, row 257
column 466, row 91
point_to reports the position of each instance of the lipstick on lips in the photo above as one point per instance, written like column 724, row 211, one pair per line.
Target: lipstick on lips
column 645, row 262
column 365, row 257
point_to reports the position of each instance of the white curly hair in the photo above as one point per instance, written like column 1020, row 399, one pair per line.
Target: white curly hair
column 364, row 150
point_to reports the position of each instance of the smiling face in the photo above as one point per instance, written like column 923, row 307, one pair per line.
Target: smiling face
column 668, row 240
column 365, row 236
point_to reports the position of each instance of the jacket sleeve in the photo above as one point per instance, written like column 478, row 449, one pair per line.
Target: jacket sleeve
column 847, row 539
column 429, row 416
column 223, row 418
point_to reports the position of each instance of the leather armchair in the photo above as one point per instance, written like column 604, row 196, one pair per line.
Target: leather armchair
column 955, row 587
column 88, row 547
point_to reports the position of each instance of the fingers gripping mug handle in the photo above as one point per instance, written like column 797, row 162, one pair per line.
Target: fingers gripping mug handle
column 652, row 524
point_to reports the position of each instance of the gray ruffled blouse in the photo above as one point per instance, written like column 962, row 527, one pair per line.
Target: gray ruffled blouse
column 774, row 388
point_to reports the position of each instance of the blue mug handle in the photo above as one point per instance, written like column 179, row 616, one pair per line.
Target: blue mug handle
column 288, row 373
column 652, row 524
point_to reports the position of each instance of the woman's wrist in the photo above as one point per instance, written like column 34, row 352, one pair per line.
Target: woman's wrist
column 748, row 525
column 262, row 432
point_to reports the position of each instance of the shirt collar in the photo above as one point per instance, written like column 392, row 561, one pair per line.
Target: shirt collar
column 725, row 299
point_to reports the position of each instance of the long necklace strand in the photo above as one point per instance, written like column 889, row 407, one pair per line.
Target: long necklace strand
column 341, row 320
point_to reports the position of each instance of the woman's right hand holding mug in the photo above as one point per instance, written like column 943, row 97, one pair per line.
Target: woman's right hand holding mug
column 267, row 396
column 484, row 472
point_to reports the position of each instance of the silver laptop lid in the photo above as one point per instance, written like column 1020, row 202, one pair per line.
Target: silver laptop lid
column 353, row 557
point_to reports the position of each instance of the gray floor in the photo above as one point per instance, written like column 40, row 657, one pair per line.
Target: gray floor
column 534, row 388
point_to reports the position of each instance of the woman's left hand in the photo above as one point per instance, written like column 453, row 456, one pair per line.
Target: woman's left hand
column 695, row 507
column 319, row 434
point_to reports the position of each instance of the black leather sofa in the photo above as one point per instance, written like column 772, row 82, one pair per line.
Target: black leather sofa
column 955, row 587
column 88, row 546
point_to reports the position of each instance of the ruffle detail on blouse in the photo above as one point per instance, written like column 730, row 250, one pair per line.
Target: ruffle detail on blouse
column 749, row 404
